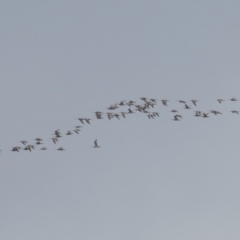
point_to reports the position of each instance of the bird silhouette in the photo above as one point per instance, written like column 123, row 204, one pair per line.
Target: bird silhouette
column 95, row 144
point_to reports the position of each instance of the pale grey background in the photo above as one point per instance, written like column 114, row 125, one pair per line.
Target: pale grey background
column 151, row 179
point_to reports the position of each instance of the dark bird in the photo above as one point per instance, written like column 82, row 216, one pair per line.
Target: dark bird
column 99, row 115
column 113, row 107
column 57, row 133
column 194, row 102
column 81, row 120
column 198, row 114
column 164, row 102
column 215, row 112
column 23, row 142
column 60, row 149
column 29, row 148
column 16, row 149
column 116, row 115
column 155, row 114
column 69, row 133
column 110, row 115
column 122, row 103
column 220, row 100
column 38, row 139
column 124, row 114
column 77, row 130
column 95, row 144
column 153, row 100
column 143, row 99
column 55, row 140
column 176, row 117
column 150, row 116
column 130, row 103
column 151, row 104
column 87, row 120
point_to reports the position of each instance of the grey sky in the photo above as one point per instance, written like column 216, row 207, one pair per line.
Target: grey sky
column 151, row 179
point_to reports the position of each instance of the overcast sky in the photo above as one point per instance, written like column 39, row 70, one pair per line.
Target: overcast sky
column 151, row 178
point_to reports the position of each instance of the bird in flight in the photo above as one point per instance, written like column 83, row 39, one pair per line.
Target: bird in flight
column 164, row 102
column 23, row 142
column 205, row 115
column 220, row 100
column 194, row 102
column 187, row 107
column 176, row 117
column 95, row 144
column 60, row 149
column 16, row 149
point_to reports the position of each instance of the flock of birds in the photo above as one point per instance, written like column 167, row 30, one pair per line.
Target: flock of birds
column 144, row 107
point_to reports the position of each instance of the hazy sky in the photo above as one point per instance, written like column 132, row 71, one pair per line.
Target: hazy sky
column 151, row 179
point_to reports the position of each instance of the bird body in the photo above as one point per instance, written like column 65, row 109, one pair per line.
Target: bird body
column 220, row 100
column 164, row 102
column 205, row 115
column 60, row 149
column 55, row 140
column 176, row 117
column 95, row 144
column 23, row 142
column 194, row 102
column 16, row 149
column 198, row 113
